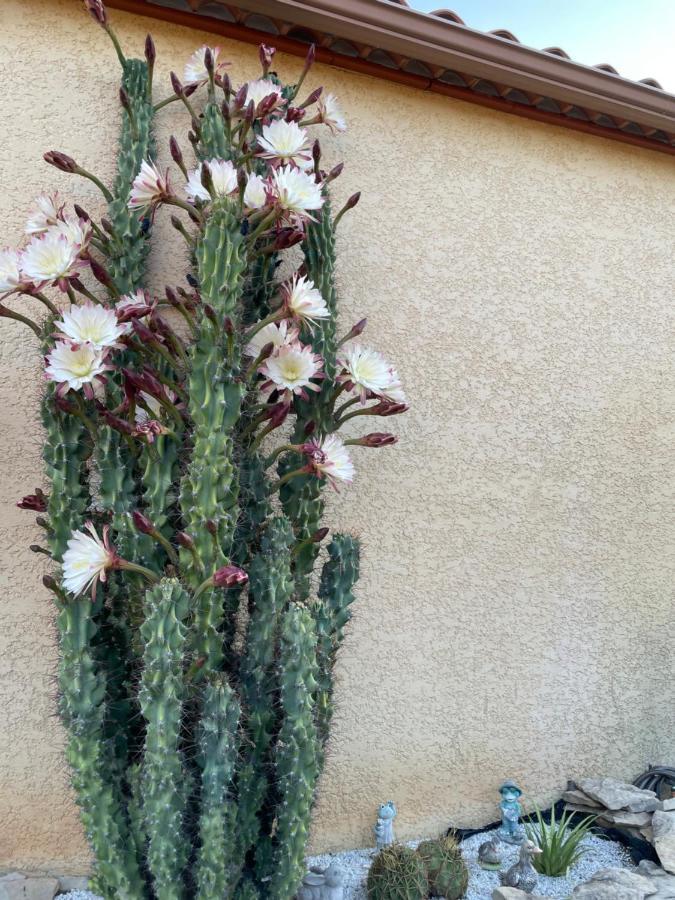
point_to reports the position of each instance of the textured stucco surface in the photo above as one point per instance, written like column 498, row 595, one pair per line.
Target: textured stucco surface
column 515, row 612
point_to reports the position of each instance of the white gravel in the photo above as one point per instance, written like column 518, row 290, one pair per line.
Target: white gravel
column 355, row 864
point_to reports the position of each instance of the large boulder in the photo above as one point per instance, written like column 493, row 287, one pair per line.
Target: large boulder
column 615, row 884
column 19, row 886
column 663, row 826
column 619, row 795
column 662, row 880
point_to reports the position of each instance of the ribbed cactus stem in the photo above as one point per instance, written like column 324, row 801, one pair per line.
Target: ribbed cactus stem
column 209, row 489
column 162, row 691
column 331, row 613
column 217, row 755
column 295, row 752
column 213, row 138
column 270, row 587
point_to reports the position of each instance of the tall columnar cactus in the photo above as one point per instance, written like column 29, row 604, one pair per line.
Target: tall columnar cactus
column 196, row 652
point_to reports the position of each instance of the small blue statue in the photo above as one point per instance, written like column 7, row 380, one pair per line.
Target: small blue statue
column 511, row 830
column 384, row 829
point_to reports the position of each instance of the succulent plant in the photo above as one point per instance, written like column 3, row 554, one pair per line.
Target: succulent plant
column 196, row 657
column 397, row 873
column 447, row 873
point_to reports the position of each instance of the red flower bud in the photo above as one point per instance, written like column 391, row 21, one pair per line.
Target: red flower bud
column 288, row 237
column 81, row 213
column 208, row 60
column 50, row 583
column 150, row 52
column 313, row 97
column 295, row 114
column 229, row 576
column 240, row 97
column 142, row 523
column 319, row 535
column 184, row 540
column 377, row 439
column 189, row 90
column 97, row 11
column 387, row 408
column 174, row 149
column 100, row 274
column 309, row 428
column 265, row 55
column 61, row 161
column 211, row 527
column 37, row 501
column 176, row 85
column 279, row 413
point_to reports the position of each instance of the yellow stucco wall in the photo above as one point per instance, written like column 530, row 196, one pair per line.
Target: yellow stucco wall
column 515, row 612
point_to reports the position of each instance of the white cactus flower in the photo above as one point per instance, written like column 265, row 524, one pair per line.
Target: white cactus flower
column 258, row 90
column 91, row 324
column 87, row 560
column 367, row 370
column 255, row 193
column 73, row 366
column 50, row 257
column 286, row 142
column 302, row 300
column 291, row 370
column 149, row 187
column 277, row 333
column 45, row 213
column 296, row 191
column 10, row 269
column 195, row 68
column 78, row 231
column 328, row 458
column 224, row 177
column 330, row 113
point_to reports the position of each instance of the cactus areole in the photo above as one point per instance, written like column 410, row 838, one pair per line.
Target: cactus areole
column 189, row 439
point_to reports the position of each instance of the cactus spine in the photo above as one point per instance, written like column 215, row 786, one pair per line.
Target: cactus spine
column 198, row 708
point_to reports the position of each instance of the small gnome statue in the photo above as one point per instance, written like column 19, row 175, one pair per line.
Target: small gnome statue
column 384, row 829
column 511, row 830
column 322, row 884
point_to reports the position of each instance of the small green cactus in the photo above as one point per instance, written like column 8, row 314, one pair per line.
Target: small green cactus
column 447, row 872
column 397, row 873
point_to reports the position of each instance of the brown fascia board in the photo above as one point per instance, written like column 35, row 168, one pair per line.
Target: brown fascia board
column 433, row 40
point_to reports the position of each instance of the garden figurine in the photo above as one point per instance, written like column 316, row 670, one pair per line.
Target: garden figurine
column 511, row 830
column 322, row 884
column 522, row 875
column 489, row 856
column 384, row 829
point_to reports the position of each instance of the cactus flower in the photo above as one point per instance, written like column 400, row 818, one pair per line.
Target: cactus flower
column 149, row 188
column 87, row 560
column 73, row 366
column 255, row 193
column 301, row 300
column 195, row 71
column 37, row 501
column 279, row 334
column 223, row 175
column 291, row 370
column 328, row 458
column 285, row 142
column 257, row 91
column 50, row 258
column 229, row 576
column 296, row 191
column 330, row 113
column 134, row 306
column 91, row 324
column 10, row 272
column 366, row 370
column 46, row 212
column 77, row 231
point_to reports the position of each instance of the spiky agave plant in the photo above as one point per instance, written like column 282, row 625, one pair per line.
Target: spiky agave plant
column 196, row 659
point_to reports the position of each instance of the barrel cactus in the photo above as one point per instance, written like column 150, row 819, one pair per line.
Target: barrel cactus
column 397, row 873
column 197, row 637
column 447, row 873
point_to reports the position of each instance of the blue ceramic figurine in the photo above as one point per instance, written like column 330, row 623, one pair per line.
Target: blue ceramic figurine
column 511, row 830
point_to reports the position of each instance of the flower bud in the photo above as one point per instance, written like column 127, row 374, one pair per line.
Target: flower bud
column 211, row 527
column 295, row 114
column 50, row 583
column 309, row 428
column 319, row 535
column 228, row 325
column 184, row 540
column 288, row 237
column 97, row 11
column 266, row 352
column 206, row 177
column 225, row 109
column 210, row 313
column 353, row 200
column 355, row 331
column 115, row 422
column 36, row 548
column 377, row 439
column 229, row 576
column 279, row 413
column 176, row 85
column 64, row 405
column 266, row 55
column 176, row 154
column 61, row 161
column 107, row 226
column 150, row 52
column 334, row 173
column 208, row 61
column 313, row 97
column 316, row 154
column 387, row 408
column 42, row 522
column 189, row 89
column 142, row 523
column 240, row 97
column 37, row 501
column 226, row 84
column 81, row 213
column 100, row 274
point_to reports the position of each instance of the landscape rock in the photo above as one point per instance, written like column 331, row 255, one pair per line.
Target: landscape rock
column 20, row 886
column 663, row 824
column 615, row 884
column 662, row 881
column 578, row 798
column 619, row 795
column 625, row 819
column 509, row 893
column 667, row 805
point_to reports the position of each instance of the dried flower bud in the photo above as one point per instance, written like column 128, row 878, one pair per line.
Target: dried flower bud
column 150, row 52
column 36, row 502
column 229, row 576
column 61, row 161
column 97, row 11
column 377, row 439
column 142, row 523
column 114, row 421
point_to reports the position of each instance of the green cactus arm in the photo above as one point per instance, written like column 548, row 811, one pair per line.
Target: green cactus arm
column 161, row 695
column 217, row 753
